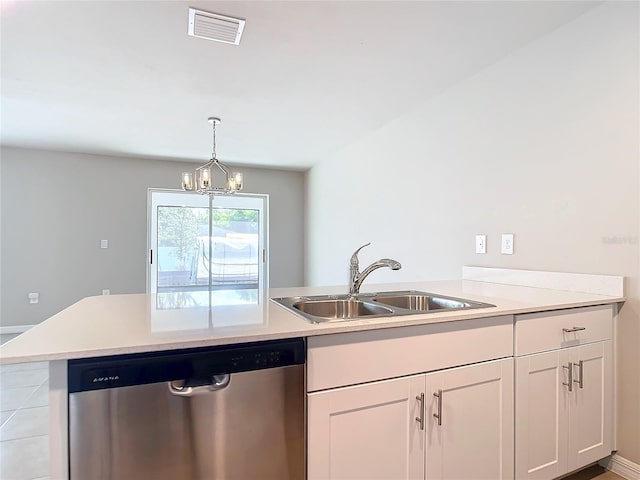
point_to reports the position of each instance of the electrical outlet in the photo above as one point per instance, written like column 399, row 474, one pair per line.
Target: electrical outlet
column 106, row 291
column 34, row 297
column 507, row 244
column 481, row 244
column 104, row 243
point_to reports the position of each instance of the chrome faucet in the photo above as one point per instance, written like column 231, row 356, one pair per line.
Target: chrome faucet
column 356, row 277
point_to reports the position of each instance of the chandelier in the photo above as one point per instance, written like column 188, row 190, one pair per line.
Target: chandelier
column 201, row 179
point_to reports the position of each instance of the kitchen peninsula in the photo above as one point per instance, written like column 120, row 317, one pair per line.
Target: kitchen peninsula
column 430, row 369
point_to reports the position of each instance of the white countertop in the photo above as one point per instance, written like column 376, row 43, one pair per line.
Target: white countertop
column 121, row 324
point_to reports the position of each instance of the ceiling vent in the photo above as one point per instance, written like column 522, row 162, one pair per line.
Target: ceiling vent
column 215, row 27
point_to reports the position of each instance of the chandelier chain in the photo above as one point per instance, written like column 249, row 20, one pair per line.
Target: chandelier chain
column 213, row 154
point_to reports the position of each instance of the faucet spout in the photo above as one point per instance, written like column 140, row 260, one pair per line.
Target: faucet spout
column 388, row 262
column 357, row 277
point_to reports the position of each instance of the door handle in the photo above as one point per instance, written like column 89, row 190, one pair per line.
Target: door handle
column 420, row 419
column 580, row 366
column 573, row 329
column 570, row 383
column 438, row 415
column 218, row 382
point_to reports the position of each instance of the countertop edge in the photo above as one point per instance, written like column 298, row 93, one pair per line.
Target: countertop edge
column 332, row 328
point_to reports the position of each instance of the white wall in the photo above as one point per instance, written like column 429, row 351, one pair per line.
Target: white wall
column 543, row 144
column 56, row 207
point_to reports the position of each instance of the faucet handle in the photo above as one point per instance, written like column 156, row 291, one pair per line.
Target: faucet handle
column 354, row 257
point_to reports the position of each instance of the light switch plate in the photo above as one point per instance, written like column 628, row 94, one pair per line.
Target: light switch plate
column 507, row 244
column 104, row 243
column 106, row 291
column 481, row 244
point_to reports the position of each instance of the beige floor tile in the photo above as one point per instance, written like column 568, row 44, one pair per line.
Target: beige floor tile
column 25, row 458
column 40, row 397
column 27, row 378
column 609, row 476
column 27, row 422
column 4, row 416
column 594, row 472
column 14, row 398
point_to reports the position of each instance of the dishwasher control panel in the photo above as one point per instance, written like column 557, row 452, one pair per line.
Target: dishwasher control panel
column 258, row 359
column 199, row 363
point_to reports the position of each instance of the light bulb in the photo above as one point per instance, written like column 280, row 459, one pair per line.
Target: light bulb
column 237, row 180
column 187, row 181
column 205, row 178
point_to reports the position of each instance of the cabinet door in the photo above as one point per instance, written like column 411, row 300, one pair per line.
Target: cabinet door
column 542, row 416
column 590, row 436
column 470, row 422
column 366, row 431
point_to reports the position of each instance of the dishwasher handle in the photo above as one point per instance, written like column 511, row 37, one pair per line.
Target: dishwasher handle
column 218, row 382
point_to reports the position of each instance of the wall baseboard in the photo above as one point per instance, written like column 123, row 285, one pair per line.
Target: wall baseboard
column 621, row 466
column 15, row 329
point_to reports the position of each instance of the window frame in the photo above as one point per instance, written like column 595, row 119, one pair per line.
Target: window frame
column 178, row 198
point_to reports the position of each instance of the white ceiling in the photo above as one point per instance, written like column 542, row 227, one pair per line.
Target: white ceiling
column 308, row 78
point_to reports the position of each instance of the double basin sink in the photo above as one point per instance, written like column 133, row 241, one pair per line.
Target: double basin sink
column 332, row 308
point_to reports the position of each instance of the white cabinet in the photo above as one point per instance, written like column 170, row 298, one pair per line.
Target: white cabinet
column 541, row 416
column 391, row 429
column 470, row 422
column 437, row 401
column 590, row 404
column 366, row 432
column 564, row 397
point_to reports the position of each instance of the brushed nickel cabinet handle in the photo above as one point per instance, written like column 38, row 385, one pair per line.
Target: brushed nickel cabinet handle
column 570, row 383
column 574, row 329
column 580, row 366
column 438, row 415
column 420, row 419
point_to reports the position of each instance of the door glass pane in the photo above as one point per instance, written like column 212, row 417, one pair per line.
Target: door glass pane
column 235, row 245
column 208, row 251
column 180, row 230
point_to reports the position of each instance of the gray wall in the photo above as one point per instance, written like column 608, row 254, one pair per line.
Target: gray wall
column 543, row 144
column 56, row 207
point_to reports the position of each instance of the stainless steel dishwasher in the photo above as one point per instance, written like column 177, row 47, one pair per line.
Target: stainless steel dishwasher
column 219, row 413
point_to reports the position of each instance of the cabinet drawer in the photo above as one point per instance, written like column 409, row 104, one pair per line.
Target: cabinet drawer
column 539, row 332
column 358, row 357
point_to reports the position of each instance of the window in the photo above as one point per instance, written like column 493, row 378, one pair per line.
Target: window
column 206, row 250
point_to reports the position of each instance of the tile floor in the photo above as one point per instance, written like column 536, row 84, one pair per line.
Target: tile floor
column 24, row 424
column 24, row 420
column 595, row 472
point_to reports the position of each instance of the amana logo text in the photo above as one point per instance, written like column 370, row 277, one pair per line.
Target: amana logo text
column 106, row 379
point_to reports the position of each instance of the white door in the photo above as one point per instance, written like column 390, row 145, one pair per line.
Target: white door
column 367, row 432
column 590, row 437
column 542, row 416
column 210, row 248
column 470, row 422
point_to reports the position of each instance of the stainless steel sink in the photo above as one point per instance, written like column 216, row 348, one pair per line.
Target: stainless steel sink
column 331, row 308
column 422, row 302
column 339, row 309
